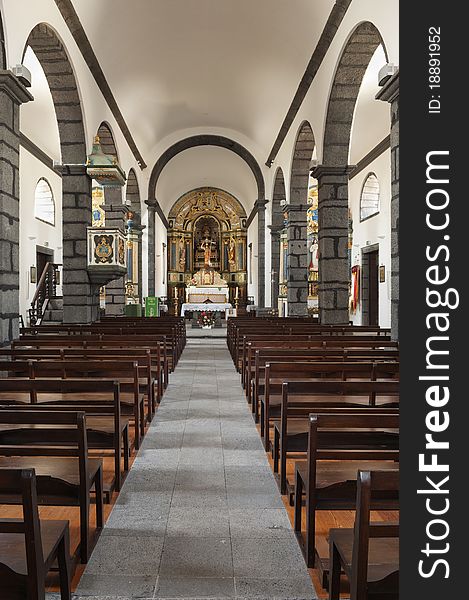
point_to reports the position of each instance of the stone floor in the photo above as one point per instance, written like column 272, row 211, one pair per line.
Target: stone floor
column 200, row 515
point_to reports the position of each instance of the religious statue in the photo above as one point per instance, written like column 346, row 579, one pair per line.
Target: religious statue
column 182, row 254
column 232, row 252
column 206, row 246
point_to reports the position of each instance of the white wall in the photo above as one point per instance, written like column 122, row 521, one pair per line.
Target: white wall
column 375, row 230
column 160, row 258
column 253, row 275
column 32, row 231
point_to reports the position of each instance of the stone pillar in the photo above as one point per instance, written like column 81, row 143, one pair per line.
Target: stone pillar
column 12, row 95
column 151, row 248
column 80, row 296
column 390, row 93
column 115, row 218
column 275, row 262
column 297, row 261
column 333, row 217
column 261, row 251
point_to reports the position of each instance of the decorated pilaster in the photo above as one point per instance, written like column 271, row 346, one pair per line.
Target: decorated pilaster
column 297, row 260
column 333, row 244
column 390, row 93
column 12, row 95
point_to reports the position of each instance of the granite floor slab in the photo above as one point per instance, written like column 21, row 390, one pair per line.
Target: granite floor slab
column 199, row 515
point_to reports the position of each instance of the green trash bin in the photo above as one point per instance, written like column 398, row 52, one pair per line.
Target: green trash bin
column 133, row 310
column 151, row 306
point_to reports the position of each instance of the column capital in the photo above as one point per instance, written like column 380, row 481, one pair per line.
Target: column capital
column 71, row 170
column 116, row 208
column 151, row 203
column 260, row 203
column 294, row 208
column 331, row 171
column 11, row 85
column 390, row 90
column 275, row 230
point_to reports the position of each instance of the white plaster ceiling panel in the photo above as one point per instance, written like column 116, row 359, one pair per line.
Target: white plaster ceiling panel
column 177, row 64
column 206, row 166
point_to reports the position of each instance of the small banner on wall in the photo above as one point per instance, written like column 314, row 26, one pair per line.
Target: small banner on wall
column 355, row 289
column 151, row 306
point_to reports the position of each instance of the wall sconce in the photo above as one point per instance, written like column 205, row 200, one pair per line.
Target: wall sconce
column 32, row 274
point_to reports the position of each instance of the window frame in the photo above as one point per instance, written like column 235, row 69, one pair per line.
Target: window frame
column 362, row 219
column 53, row 223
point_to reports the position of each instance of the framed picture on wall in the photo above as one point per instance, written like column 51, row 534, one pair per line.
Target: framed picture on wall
column 382, row 273
column 33, row 274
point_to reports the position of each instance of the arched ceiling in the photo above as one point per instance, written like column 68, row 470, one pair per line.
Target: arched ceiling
column 368, row 110
column 206, row 166
column 214, row 64
column 40, row 111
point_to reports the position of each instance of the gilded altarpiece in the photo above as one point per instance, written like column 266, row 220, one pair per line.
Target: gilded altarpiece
column 207, row 243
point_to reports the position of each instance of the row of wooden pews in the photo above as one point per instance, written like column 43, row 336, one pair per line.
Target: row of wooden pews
column 327, row 402
column 75, row 401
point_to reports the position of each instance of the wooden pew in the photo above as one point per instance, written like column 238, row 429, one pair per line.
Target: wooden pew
column 368, row 554
column 256, row 373
column 132, row 401
column 149, row 365
column 318, row 344
column 291, row 430
column 20, row 348
column 29, row 546
column 349, row 393
column 339, row 445
column 99, row 400
column 56, row 448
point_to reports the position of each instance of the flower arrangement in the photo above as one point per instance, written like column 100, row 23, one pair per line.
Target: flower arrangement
column 205, row 319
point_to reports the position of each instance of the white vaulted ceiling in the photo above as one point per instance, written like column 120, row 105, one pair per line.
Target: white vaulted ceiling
column 219, row 65
column 206, row 166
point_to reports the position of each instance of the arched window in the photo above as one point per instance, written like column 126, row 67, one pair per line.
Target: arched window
column 44, row 206
column 369, row 199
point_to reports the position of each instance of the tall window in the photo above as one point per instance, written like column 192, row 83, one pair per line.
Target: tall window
column 44, row 206
column 369, row 200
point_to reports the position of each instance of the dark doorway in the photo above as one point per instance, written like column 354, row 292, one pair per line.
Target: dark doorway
column 370, row 297
column 43, row 256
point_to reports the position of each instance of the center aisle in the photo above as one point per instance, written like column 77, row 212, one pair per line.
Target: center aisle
column 200, row 515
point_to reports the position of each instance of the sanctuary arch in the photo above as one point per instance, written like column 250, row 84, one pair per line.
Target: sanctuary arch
column 207, row 245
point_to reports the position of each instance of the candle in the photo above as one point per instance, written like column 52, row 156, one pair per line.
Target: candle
column 237, row 293
column 175, row 292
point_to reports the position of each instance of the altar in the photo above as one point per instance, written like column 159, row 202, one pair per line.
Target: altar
column 206, row 307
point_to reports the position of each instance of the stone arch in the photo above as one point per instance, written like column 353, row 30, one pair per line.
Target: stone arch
column 351, row 68
column 278, row 199
column 106, row 138
column 80, row 296
column 333, row 174
column 301, row 164
column 297, row 262
column 206, row 140
column 3, row 53
column 58, row 69
column 132, row 194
